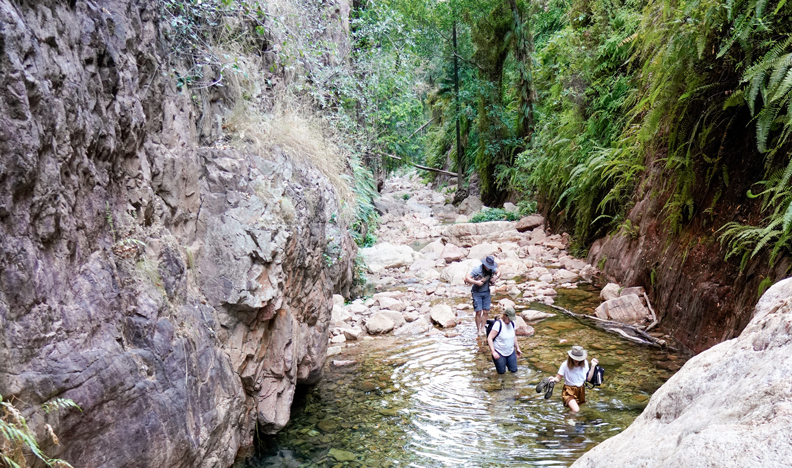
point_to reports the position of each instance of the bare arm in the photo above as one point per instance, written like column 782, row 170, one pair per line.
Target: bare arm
column 490, row 338
column 594, row 363
column 557, row 378
column 469, row 279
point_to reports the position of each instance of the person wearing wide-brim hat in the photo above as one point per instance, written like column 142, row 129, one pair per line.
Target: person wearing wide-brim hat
column 503, row 344
column 575, row 371
column 480, row 277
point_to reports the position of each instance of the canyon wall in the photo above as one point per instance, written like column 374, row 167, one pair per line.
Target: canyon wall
column 176, row 292
column 700, row 297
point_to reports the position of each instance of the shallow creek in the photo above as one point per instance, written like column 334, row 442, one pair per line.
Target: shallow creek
column 436, row 401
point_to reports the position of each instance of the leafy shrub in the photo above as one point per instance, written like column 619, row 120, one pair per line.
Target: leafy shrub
column 17, row 439
column 493, row 214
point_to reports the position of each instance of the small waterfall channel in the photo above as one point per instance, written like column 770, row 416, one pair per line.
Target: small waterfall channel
column 436, row 400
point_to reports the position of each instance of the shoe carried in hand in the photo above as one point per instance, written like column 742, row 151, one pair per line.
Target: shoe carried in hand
column 549, row 392
column 542, row 386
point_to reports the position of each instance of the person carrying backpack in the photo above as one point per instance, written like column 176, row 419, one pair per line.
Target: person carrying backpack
column 503, row 342
column 480, row 277
column 575, row 371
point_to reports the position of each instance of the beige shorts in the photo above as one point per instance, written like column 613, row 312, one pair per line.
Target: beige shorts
column 570, row 392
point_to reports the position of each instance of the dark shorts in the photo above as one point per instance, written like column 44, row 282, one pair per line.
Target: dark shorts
column 506, row 361
column 570, row 392
column 481, row 301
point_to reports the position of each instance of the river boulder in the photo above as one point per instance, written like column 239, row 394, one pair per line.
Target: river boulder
column 728, row 407
column 443, row 315
column 379, row 323
column 626, row 309
column 386, row 255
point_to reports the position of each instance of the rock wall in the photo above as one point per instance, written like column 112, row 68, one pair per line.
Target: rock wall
column 177, row 293
column 701, row 298
column 727, row 407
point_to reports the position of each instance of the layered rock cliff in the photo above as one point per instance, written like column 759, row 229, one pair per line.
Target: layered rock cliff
column 177, row 293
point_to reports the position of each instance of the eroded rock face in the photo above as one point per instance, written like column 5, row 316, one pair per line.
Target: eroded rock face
column 177, row 294
column 727, row 407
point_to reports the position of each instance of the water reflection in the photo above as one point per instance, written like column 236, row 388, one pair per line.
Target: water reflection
column 436, row 401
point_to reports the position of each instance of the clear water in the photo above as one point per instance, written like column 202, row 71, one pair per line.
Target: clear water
column 436, row 401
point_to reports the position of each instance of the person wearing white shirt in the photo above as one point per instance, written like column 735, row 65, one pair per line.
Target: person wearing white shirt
column 575, row 371
column 503, row 344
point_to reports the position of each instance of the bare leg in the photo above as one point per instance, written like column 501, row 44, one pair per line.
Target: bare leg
column 573, row 405
column 481, row 321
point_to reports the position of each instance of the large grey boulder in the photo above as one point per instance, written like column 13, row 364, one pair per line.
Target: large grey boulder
column 728, row 407
column 417, row 327
column 387, row 255
column 626, row 309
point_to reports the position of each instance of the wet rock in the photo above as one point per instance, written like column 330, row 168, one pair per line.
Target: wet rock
column 340, row 363
column 442, row 315
column 535, row 315
column 379, row 323
column 342, row 455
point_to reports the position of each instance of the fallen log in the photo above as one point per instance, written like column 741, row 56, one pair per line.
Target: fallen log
column 628, row 332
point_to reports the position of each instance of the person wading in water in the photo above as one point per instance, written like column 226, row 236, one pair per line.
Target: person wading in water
column 481, row 277
column 575, row 371
column 503, row 342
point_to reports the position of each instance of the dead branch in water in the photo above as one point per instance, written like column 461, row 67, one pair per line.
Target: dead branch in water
column 628, row 332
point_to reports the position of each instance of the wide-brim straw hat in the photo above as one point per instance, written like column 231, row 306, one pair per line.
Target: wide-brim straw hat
column 577, row 353
column 489, row 262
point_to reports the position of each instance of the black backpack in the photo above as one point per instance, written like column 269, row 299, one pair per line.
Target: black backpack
column 491, row 323
column 596, row 377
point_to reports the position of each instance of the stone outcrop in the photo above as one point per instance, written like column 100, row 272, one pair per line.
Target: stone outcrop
column 727, row 407
column 177, row 293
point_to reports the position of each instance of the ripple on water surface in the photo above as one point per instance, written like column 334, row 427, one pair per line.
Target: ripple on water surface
column 433, row 401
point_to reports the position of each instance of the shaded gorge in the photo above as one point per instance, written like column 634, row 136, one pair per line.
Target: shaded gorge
column 436, row 400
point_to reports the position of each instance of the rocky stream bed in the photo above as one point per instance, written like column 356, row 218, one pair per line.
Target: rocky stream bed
column 408, row 382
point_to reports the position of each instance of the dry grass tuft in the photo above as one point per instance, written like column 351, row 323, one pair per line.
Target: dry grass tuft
column 293, row 129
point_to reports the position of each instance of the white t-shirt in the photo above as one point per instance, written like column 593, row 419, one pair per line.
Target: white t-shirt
column 575, row 376
column 504, row 342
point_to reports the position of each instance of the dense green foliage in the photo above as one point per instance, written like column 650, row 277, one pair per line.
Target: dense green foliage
column 568, row 101
column 493, row 214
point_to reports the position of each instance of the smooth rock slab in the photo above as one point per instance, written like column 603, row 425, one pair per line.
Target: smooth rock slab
column 625, row 309
column 728, row 407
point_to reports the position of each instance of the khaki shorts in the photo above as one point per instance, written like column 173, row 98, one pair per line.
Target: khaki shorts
column 570, row 392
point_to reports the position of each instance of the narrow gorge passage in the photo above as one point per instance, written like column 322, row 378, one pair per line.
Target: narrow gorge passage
column 433, row 399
